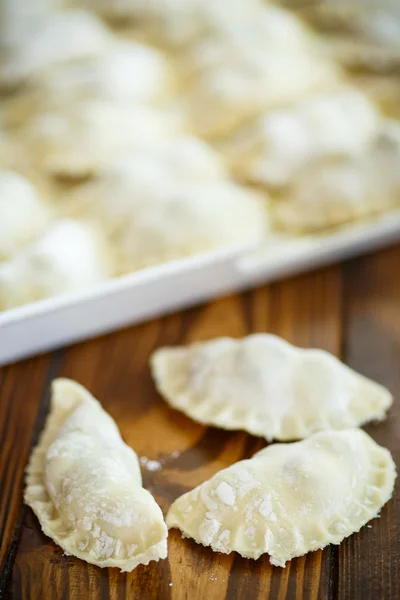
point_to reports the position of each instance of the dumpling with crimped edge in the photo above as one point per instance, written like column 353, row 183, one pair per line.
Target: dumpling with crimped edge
column 267, row 387
column 290, row 499
column 329, row 194
column 85, row 487
column 279, row 144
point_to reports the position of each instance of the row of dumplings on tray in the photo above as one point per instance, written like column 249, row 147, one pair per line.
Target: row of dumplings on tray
column 84, row 483
column 138, row 154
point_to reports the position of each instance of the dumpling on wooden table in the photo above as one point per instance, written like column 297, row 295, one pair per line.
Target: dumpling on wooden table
column 137, row 176
column 290, row 499
column 50, row 40
column 77, row 142
column 84, row 485
column 277, row 145
column 23, row 214
column 191, row 218
column 265, row 386
column 331, row 194
column 66, row 257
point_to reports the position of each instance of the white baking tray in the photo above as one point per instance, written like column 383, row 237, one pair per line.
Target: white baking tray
column 56, row 322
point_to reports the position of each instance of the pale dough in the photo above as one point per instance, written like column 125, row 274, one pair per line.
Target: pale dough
column 224, row 95
column 188, row 218
column 279, row 144
column 85, row 487
column 175, row 23
column 50, row 40
column 290, row 499
column 128, row 72
column 68, row 256
column 330, row 194
column 140, row 175
column 23, row 214
column 267, row 387
column 79, row 141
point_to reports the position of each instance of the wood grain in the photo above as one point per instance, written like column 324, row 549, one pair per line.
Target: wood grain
column 329, row 309
column 369, row 565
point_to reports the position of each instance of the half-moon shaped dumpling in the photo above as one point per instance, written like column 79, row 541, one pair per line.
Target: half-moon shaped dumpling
column 330, row 194
column 277, row 145
column 290, row 499
column 85, row 487
column 267, row 387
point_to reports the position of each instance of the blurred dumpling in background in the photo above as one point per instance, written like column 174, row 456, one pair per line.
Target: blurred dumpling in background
column 241, row 79
column 127, row 72
column 278, row 144
column 68, row 256
column 331, row 194
column 22, row 212
column 268, row 28
column 111, row 198
column 50, row 40
column 77, row 142
column 191, row 218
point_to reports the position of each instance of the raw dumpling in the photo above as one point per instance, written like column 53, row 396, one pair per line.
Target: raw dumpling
column 191, row 218
column 279, row 144
column 226, row 94
column 85, row 487
column 69, row 256
column 267, row 387
column 290, row 499
column 76, row 143
column 136, row 177
column 331, row 194
column 50, row 40
column 127, row 72
column 22, row 213
column 268, row 27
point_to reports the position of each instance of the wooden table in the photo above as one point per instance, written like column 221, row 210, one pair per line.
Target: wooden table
column 352, row 310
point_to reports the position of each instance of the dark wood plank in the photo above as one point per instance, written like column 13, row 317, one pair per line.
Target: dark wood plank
column 306, row 311
column 21, row 404
column 369, row 563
